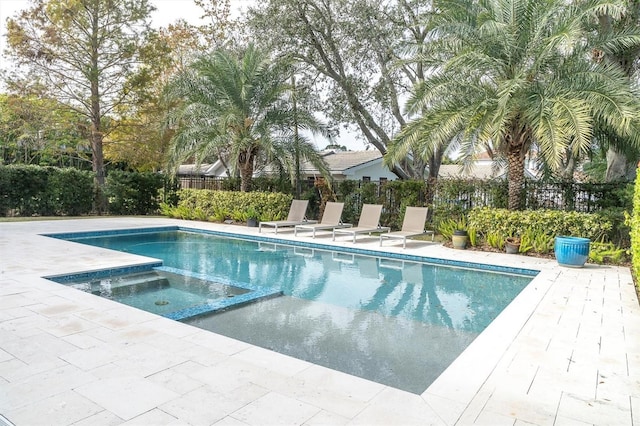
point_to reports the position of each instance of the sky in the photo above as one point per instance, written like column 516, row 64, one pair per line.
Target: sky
column 167, row 12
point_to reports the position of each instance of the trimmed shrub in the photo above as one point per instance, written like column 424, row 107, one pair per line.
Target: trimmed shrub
column 6, row 199
column 72, row 191
column 548, row 222
column 349, row 194
column 634, row 223
column 30, row 185
column 28, row 190
column 216, row 206
column 133, row 193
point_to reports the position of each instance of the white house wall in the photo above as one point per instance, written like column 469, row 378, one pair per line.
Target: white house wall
column 374, row 171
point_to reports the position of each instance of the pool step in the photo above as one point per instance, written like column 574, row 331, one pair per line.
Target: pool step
column 224, row 304
column 141, row 287
column 125, row 286
column 145, row 284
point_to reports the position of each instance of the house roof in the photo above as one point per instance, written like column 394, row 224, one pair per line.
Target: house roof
column 478, row 171
column 344, row 162
column 207, row 169
column 348, row 162
column 338, row 163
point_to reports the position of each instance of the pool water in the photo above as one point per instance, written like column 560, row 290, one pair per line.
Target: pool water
column 395, row 321
column 157, row 291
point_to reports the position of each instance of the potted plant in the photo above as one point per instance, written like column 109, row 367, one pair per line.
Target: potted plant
column 459, row 239
column 252, row 216
column 512, row 245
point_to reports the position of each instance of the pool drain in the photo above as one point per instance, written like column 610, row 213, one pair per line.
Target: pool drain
column 162, row 302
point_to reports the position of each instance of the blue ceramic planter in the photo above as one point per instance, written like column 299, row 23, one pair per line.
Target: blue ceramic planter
column 572, row 251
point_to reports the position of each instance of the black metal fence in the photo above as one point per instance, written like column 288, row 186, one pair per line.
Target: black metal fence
column 203, row 182
column 581, row 197
column 454, row 194
column 568, row 196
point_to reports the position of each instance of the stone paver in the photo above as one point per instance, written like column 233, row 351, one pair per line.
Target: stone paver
column 565, row 352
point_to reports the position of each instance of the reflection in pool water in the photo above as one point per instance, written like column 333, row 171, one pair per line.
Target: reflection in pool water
column 394, row 321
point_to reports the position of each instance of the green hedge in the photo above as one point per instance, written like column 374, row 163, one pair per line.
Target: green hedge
column 548, row 222
column 398, row 196
column 72, row 190
column 220, row 205
column 217, row 206
column 27, row 190
column 134, row 193
column 635, row 231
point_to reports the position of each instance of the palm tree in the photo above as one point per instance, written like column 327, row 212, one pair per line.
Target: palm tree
column 518, row 76
column 237, row 107
column 621, row 158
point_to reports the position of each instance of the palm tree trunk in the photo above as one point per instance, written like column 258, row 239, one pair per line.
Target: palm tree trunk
column 435, row 161
column 515, row 177
column 517, row 143
column 245, row 163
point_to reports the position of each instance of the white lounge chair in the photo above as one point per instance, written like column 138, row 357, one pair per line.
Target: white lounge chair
column 296, row 216
column 369, row 222
column 412, row 225
column 330, row 220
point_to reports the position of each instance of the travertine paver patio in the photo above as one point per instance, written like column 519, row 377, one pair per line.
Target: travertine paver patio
column 565, row 352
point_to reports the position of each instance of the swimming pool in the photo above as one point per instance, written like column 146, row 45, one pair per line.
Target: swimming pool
column 391, row 319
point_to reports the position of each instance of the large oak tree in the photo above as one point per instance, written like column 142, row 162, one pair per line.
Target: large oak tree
column 354, row 52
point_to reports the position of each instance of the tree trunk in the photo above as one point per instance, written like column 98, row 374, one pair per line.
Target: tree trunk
column 619, row 168
column 96, row 121
column 435, row 161
column 568, row 166
column 515, row 177
column 245, row 164
column 516, row 143
column 97, row 164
